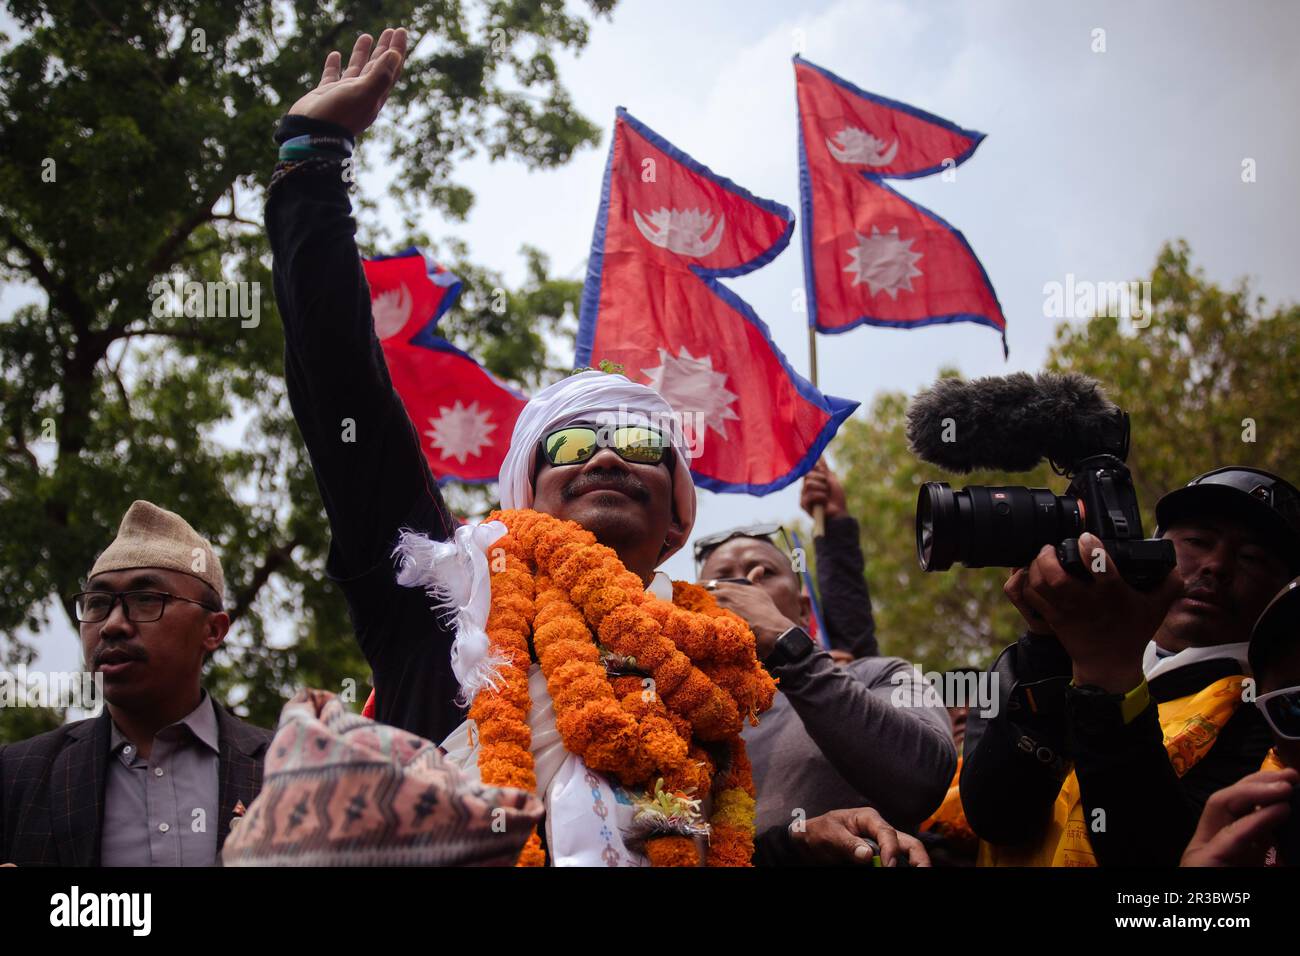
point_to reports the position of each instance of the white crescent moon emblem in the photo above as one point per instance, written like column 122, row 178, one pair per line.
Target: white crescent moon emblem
column 862, row 149
column 681, row 232
column 712, row 242
column 391, row 309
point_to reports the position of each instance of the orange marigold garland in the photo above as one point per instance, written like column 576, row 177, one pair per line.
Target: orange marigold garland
column 672, row 851
column 580, row 605
column 501, row 714
column 732, row 822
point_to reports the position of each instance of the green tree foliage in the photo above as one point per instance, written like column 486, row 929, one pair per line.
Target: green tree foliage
column 19, row 723
column 134, row 145
column 1210, row 359
column 1215, row 369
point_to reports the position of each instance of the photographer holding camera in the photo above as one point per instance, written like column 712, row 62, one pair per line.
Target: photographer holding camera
column 1107, row 673
column 1120, row 710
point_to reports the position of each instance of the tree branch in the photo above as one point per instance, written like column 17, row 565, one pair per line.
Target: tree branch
column 275, row 559
column 327, row 41
column 63, row 295
column 188, row 335
column 20, row 450
column 114, row 371
column 194, row 253
column 166, row 252
column 231, row 217
column 35, row 263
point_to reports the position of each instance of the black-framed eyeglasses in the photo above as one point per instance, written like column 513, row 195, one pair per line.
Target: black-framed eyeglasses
column 139, row 606
column 574, row 444
column 764, row 532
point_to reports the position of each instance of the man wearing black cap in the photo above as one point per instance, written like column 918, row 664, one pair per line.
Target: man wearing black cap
column 1256, row 821
column 1124, row 710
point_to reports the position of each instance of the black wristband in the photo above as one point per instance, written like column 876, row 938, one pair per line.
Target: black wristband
column 791, row 647
column 291, row 125
column 1094, row 711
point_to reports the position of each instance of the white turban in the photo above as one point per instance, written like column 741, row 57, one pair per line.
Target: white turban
column 599, row 397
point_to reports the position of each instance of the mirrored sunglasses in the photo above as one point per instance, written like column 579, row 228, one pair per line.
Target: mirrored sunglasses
column 574, row 444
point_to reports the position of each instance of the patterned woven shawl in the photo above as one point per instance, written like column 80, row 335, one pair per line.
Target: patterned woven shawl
column 342, row 790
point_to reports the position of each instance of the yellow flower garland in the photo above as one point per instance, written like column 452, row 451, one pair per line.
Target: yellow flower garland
column 574, row 597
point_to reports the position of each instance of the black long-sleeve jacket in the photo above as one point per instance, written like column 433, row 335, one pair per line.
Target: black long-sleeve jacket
column 365, row 453
column 842, row 584
column 1014, row 762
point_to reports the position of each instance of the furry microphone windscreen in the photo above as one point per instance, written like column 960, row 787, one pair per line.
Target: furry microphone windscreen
column 1011, row 423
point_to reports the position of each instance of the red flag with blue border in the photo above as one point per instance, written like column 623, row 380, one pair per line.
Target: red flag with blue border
column 667, row 230
column 463, row 415
column 408, row 292
column 871, row 255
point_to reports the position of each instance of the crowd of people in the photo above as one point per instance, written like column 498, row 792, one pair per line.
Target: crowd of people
column 544, row 694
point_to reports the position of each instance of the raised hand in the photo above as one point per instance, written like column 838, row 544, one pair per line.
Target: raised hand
column 822, row 487
column 352, row 98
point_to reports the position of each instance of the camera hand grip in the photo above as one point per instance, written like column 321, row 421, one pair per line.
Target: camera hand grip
column 1067, row 552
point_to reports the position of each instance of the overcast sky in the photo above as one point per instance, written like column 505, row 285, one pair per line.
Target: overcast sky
column 1092, row 159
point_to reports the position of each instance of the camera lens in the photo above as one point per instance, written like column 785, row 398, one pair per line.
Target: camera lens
column 936, row 511
column 990, row 526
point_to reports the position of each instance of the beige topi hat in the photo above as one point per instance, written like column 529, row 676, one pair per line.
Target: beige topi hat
column 151, row 537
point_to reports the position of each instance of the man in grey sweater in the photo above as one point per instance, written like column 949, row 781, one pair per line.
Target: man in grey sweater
column 870, row 733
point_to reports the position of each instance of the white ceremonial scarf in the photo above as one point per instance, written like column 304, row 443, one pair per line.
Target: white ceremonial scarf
column 586, row 813
column 1153, row 665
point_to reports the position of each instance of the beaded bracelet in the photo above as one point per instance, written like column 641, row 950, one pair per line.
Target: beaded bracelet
column 322, row 163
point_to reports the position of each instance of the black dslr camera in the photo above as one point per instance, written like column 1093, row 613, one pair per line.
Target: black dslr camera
column 1011, row 424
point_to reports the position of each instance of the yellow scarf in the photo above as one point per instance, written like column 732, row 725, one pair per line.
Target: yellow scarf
column 1190, row 726
column 950, row 819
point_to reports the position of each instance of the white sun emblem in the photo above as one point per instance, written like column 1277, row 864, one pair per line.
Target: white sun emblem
column 461, row 430
column 391, row 309
column 883, row 261
column 694, row 390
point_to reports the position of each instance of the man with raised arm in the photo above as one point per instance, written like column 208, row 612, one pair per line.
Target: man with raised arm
column 591, row 679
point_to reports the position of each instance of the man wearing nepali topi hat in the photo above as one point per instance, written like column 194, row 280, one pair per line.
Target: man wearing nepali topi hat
column 157, row 778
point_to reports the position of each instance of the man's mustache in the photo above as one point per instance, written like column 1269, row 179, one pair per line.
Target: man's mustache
column 622, row 481
column 119, row 652
column 1204, row 590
